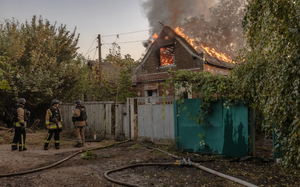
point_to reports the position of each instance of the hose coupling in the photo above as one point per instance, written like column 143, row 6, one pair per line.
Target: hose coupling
column 183, row 161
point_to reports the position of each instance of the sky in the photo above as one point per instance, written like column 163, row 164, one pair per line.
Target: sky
column 90, row 17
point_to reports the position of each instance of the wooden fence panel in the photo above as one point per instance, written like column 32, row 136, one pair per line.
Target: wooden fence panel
column 99, row 118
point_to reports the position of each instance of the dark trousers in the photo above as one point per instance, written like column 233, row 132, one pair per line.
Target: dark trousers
column 19, row 137
column 49, row 136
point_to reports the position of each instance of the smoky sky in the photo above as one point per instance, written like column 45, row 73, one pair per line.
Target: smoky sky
column 173, row 12
column 214, row 23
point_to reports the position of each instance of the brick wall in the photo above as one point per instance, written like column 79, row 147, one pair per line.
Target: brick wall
column 142, row 87
column 150, row 71
column 183, row 60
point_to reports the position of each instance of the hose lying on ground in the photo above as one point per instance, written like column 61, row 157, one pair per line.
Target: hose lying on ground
column 168, row 164
column 59, row 162
column 134, row 165
column 208, row 170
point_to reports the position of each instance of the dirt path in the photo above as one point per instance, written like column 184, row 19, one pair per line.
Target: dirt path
column 80, row 172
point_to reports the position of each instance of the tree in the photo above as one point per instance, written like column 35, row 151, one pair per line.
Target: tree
column 117, row 73
column 268, row 76
column 271, row 70
column 81, row 87
column 4, row 68
column 43, row 58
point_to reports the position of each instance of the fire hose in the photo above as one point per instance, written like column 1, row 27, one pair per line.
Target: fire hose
column 182, row 161
column 59, row 162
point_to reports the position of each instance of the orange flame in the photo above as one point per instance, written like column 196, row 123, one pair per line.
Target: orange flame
column 212, row 52
column 154, row 36
column 179, row 31
column 166, row 57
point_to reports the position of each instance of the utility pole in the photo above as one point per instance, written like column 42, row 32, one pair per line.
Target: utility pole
column 100, row 61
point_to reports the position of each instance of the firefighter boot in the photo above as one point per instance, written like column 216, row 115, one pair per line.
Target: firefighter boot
column 78, row 145
column 22, row 148
column 14, row 147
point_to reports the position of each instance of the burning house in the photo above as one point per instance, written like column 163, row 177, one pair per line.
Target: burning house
column 171, row 49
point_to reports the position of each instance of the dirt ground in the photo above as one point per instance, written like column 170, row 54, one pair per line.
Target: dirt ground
column 78, row 171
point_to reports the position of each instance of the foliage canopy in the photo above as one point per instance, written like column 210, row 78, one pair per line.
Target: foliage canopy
column 117, row 72
column 271, row 70
column 43, row 59
column 4, row 67
column 268, row 76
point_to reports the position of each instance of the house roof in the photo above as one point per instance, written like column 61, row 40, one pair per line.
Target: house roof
column 217, row 63
column 195, row 53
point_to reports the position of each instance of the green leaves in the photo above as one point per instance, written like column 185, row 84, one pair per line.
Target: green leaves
column 207, row 87
column 41, row 58
column 268, row 77
column 117, row 72
column 4, row 67
column 271, row 63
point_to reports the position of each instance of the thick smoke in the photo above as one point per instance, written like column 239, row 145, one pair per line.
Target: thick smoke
column 213, row 23
column 173, row 12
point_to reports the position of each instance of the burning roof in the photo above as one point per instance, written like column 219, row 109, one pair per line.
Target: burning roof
column 168, row 36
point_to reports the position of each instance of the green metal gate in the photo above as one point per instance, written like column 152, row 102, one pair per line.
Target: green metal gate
column 225, row 131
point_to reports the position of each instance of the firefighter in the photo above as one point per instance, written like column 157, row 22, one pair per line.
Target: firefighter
column 79, row 120
column 20, row 118
column 53, row 123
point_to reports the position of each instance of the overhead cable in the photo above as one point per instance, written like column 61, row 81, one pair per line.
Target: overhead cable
column 126, row 42
column 88, row 51
column 91, row 51
column 126, row 33
column 95, row 54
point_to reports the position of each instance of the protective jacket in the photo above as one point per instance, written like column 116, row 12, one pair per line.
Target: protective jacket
column 19, row 116
column 53, row 118
column 80, row 116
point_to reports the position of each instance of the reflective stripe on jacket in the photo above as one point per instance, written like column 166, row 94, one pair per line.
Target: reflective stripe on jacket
column 20, row 112
column 50, row 123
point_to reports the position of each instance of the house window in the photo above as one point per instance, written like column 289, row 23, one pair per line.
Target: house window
column 151, row 96
column 185, row 95
column 167, row 55
column 149, row 93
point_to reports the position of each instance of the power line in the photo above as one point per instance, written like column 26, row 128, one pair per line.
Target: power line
column 126, row 33
column 95, row 54
column 126, row 42
column 91, row 51
column 105, row 43
column 90, row 47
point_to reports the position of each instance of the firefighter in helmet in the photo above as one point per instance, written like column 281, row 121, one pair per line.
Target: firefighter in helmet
column 53, row 123
column 20, row 118
column 79, row 120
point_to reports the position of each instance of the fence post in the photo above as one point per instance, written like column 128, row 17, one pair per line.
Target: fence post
column 119, row 121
